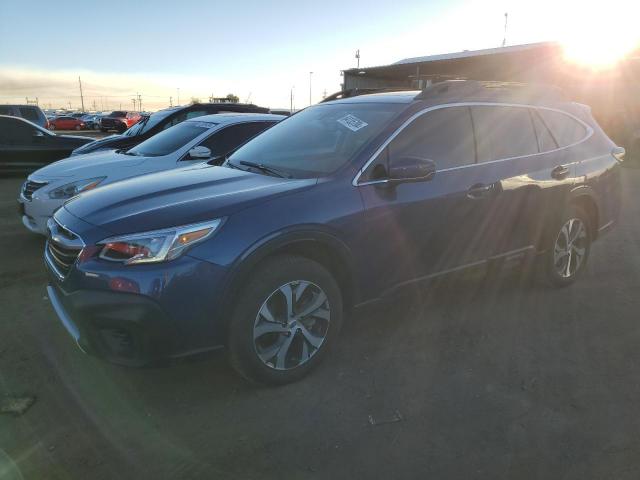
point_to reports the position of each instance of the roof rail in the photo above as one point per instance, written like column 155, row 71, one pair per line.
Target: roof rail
column 354, row 92
column 477, row 88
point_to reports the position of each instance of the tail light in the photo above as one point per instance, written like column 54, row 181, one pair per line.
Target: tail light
column 618, row 153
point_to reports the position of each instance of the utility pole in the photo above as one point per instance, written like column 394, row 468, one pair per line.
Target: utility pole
column 170, row 101
column 81, row 96
column 358, row 57
column 291, row 100
column 134, row 103
column 178, row 96
column 139, row 102
column 506, row 19
column 310, row 75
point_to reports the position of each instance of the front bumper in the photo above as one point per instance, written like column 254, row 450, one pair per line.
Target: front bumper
column 123, row 328
column 36, row 212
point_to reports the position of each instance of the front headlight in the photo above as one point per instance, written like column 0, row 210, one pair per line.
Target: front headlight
column 156, row 246
column 74, row 188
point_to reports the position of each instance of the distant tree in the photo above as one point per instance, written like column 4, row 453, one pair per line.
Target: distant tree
column 233, row 98
column 195, row 100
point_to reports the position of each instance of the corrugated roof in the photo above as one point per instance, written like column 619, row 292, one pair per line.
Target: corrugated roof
column 475, row 53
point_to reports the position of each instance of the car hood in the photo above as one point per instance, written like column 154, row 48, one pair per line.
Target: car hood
column 81, row 140
column 112, row 141
column 90, row 165
column 177, row 197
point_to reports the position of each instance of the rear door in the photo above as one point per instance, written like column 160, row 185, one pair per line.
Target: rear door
column 521, row 159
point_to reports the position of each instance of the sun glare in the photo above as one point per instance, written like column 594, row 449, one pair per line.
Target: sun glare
column 601, row 37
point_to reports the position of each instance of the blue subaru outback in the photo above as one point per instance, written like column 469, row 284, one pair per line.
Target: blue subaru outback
column 338, row 206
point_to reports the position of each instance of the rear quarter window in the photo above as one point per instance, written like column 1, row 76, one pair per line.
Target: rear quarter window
column 564, row 129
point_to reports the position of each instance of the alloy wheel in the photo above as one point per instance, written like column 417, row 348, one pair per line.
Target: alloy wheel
column 291, row 325
column 570, row 248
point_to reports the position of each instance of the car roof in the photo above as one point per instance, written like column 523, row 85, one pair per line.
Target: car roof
column 21, row 105
column 229, row 118
column 407, row 96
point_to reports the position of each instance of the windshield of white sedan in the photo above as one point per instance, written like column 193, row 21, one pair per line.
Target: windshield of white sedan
column 318, row 140
column 170, row 140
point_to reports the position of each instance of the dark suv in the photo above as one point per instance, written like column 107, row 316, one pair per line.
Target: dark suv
column 340, row 205
column 149, row 125
column 33, row 113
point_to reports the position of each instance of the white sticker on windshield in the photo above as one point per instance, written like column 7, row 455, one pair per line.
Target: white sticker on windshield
column 352, row 122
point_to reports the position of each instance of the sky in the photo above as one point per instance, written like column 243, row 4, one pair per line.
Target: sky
column 258, row 50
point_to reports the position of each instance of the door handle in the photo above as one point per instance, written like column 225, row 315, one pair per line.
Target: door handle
column 560, row 172
column 479, row 190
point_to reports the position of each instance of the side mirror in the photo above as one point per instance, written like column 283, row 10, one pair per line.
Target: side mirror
column 411, row 169
column 199, row 153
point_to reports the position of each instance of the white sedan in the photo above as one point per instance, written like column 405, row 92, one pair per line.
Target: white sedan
column 207, row 138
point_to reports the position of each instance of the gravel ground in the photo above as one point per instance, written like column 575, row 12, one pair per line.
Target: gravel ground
column 466, row 380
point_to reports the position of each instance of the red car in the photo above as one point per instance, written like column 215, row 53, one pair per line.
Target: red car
column 66, row 123
column 119, row 121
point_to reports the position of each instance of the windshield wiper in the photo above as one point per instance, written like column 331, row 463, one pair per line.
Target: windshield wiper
column 263, row 168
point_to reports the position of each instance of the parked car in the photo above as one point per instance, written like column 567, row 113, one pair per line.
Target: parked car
column 159, row 121
column 33, row 113
column 66, row 123
column 208, row 138
column 340, row 205
column 92, row 121
column 25, row 146
column 119, row 121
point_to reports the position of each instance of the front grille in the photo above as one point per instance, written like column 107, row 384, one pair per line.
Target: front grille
column 30, row 187
column 63, row 248
column 110, row 122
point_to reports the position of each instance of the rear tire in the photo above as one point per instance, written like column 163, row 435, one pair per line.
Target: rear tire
column 285, row 319
column 567, row 248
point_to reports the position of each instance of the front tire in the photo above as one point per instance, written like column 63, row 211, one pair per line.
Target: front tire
column 286, row 318
column 567, row 248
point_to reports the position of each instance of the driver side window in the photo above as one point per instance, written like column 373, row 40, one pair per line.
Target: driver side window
column 444, row 136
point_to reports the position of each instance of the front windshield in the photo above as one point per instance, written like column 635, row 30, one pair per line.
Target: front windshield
column 148, row 122
column 318, row 140
column 170, row 140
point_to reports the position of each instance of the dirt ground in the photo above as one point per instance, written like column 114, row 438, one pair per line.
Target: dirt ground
column 471, row 381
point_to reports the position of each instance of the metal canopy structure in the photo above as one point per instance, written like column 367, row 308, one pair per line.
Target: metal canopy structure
column 613, row 94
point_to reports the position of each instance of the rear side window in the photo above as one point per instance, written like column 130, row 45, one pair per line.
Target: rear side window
column 29, row 113
column 546, row 141
column 6, row 110
column 503, row 132
column 228, row 139
column 444, row 136
column 564, row 129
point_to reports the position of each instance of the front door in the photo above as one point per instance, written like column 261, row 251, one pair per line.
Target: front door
column 419, row 229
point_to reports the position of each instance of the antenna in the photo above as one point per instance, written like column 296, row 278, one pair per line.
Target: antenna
column 506, row 20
